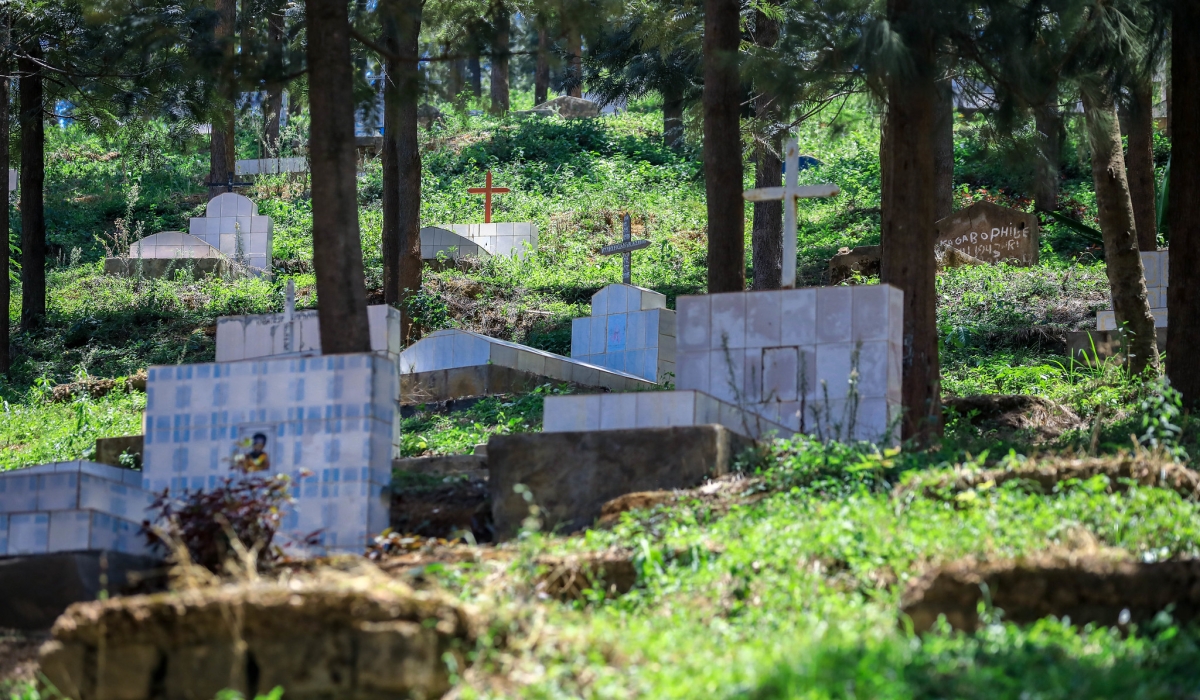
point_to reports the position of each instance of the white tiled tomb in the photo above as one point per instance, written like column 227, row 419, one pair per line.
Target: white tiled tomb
column 71, row 507
column 436, row 242
column 171, row 245
column 328, row 422
column 1155, row 266
column 510, row 239
column 233, row 226
column 630, row 330
column 266, row 335
column 653, row 409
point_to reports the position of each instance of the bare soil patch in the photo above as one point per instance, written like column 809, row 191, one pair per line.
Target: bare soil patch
column 18, row 656
column 1012, row 415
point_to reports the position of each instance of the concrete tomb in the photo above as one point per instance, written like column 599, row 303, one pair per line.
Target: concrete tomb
column 297, row 333
column 510, row 240
column 1105, row 341
column 566, row 107
column 437, row 242
column 271, row 166
column 159, row 254
column 992, row 233
column 233, row 226
column 630, row 330
column 450, row 364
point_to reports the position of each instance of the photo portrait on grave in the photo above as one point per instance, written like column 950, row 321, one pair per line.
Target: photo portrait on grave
column 250, row 454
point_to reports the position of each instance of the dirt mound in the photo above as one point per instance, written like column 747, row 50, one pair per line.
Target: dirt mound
column 96, row 387
column 567, row 577
column 359, row 635
column 1142, row 469
column 1012, row 414
column 718, row 494
column 1092, row 588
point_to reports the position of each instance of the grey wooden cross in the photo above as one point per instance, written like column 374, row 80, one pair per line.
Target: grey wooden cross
column 789, row 193
column 289, row 312
column 625, row 248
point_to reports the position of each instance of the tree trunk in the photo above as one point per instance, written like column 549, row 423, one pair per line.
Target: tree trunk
column 673, row 121
column 1050, row 133
column 943, row 152
column 766, row 234
column 541, row 74
column 723, row 148
column 273, row 105
column 1183, row 292
column 475, row 70
column 402, row 161
column 500, row 51
column 222, row 140
column 337, row 249
column 575, row 62
column 5, row 253
column 1125, row 274
column 33, row 179
column 1139, row 163
column 909, row 211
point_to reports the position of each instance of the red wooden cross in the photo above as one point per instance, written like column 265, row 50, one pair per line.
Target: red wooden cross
column 487, row 196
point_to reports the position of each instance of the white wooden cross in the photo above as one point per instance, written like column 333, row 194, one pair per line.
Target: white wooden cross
column 789, row 193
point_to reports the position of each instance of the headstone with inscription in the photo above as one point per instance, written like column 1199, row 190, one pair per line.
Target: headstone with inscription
column 992, row 233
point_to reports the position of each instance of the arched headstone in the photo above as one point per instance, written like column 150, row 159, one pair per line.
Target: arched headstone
column 233, row 226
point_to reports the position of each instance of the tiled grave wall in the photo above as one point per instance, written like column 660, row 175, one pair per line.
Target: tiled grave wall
column 172, row 245
column 271, row 166
column 652, row 409
column 787, row 355
column 450, row 349
column 1156, row 266
column 71, row 506
column 437, row 241
column 230, row 217
column 331, row 417
column 515, row 239
column 265, row 335
column 630, row 330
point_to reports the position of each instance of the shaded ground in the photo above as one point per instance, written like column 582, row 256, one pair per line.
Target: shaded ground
column 18, row 656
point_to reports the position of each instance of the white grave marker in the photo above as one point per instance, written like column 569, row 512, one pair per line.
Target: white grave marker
column 233, row 226
column 630, row 330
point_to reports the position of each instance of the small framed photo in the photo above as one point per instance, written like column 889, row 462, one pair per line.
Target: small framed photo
column 252, row 448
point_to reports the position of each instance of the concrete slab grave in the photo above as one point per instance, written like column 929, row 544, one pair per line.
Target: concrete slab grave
column 630, row 330
column 233, row 226
column 992, row 233
column 654, row 409
column 822, row 361
column 454, row 363
column 438, row 242
column 508, row 239
column 327, row 421
column 270, row 335
column 270, row 166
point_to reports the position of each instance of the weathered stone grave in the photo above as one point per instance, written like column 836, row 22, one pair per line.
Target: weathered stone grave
column 567, row 107
column 271, row 166
column 992, row 233
column 451, row 364
column 630, row 330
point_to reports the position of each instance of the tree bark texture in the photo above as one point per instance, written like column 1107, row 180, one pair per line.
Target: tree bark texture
column 402, row 160
column 673, row 121
column 1125, row 275
column 943, row 152
column 475, row 70
column 723, row 149
column 1050, row 134
column 33, row 180
column 500, row 50
column 5, row 253
column 766, row 234
column 337, row 249
column 575, row 61
column 273, row 104
column 1183, row 292
column 222, row 144
column 1139, row 164
column 909, row 214
column 541, row 73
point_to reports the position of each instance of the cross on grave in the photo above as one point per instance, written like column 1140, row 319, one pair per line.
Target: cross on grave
column 789, row 193
column 289, row 314
column 487, row 192
column 625, row 248
column 229, row 184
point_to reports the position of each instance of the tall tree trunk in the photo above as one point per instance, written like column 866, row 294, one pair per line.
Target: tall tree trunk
column 1050, row 132
column 33, row 179
column 723, row 148
column 273, row 105
column 1183, row 292
column 943, row 152
column 575, row 61
column 1139, row 163
column 500, row 52
column 475, row 70
column 909, row 211
column 1125, row 274
column 222, row 140
column 541, row 73
column 766, row 234
column 5, row 253
column 402, row 160
column 337, row 249
column 673, row 120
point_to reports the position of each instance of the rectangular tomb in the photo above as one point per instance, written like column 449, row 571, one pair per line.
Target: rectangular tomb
column 630, row 330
